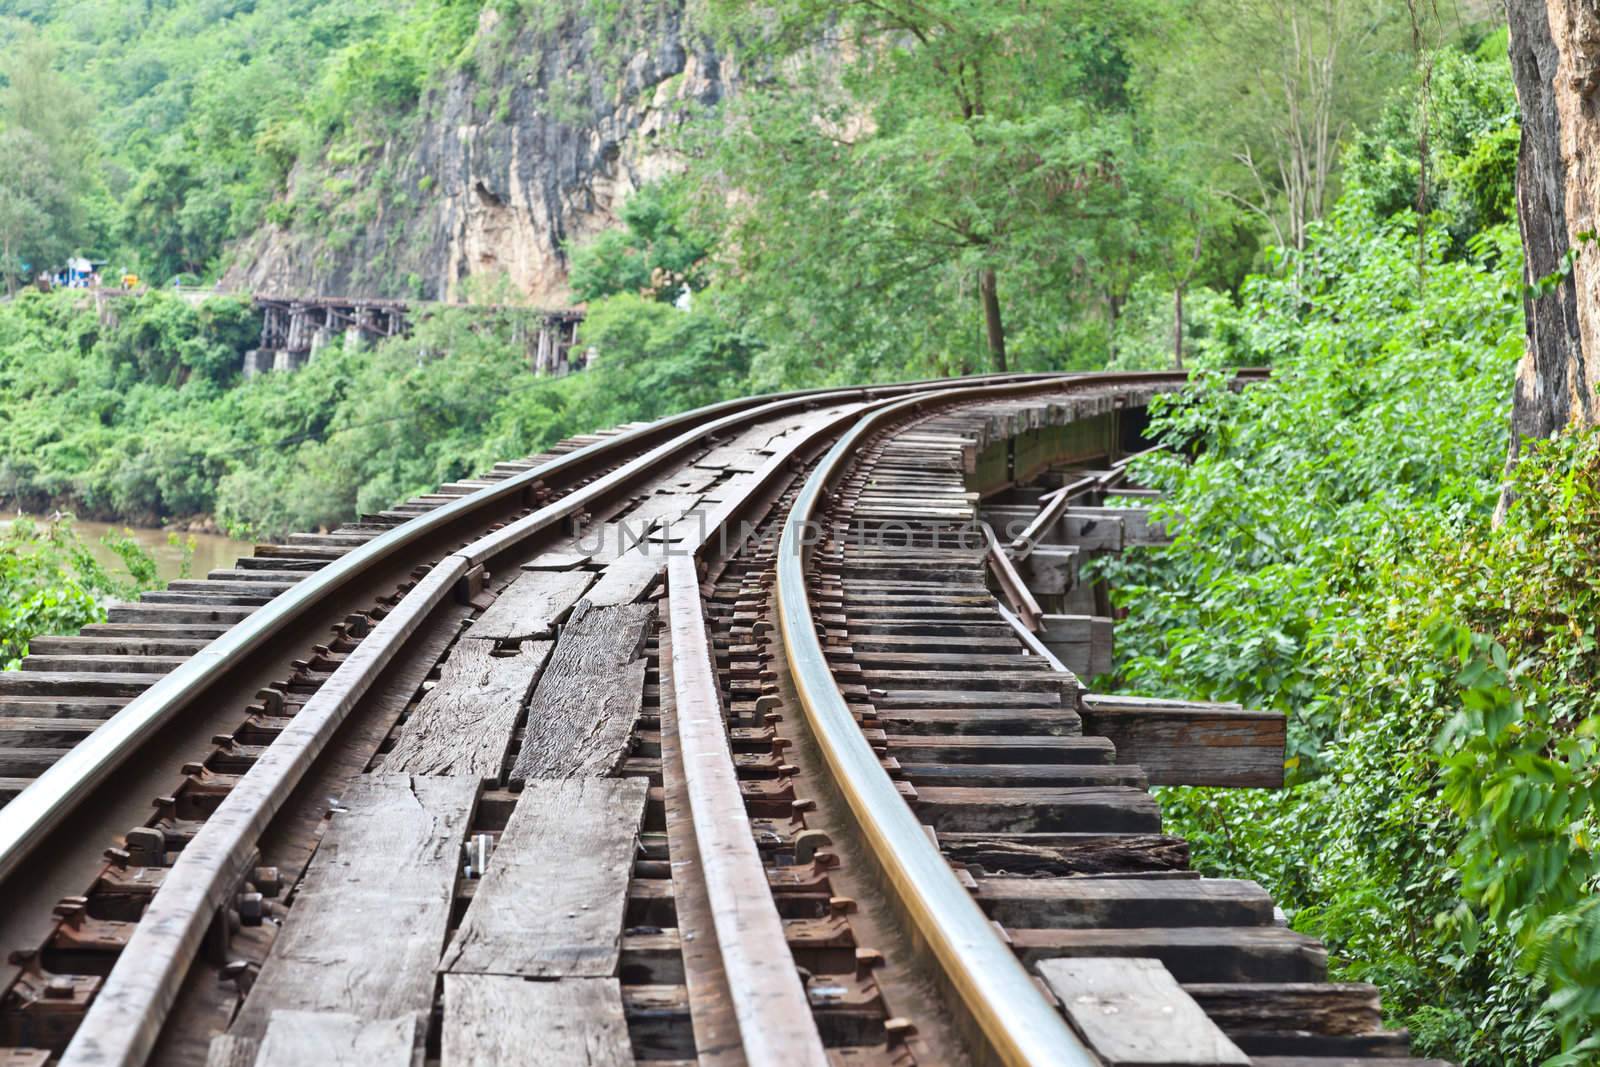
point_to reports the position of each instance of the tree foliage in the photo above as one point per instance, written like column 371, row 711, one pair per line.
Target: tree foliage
column 46, row 180
column 1335, row 559
column 953, row 192
column 189, row 115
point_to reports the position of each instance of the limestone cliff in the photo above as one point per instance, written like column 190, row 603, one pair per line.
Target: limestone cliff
column 533, row 144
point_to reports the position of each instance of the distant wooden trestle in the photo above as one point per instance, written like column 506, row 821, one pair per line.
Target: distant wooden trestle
column 295, row 329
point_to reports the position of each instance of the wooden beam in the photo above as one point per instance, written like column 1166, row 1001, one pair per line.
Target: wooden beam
column 1016, row 591
column 464, row 724
column 1049, row 570
column 1082, row 642
column 1191, row 743
column 1137, row 529
column 335, row 1039
column 584, row 708
column 370, row 917
column 531, row 606
column 1133, row 1013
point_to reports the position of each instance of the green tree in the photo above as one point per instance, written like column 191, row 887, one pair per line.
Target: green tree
column 1269, row 89
column 656, row 252
column 28, row 190
column 922, row 175
column 45, row 143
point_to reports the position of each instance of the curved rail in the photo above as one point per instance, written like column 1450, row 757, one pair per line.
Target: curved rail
column 1019, row 1026
column 29, row 818
column 122, row 1024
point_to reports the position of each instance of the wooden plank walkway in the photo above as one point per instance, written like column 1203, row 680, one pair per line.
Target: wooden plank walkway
column 464, row 724
column 551, row 903
column 1134, row 1014
column 585, row 707
column 370, row 918
column 493, row 1021
column 336, row 1039
column 531, row 605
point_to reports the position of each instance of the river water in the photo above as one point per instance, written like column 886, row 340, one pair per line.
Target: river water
column 211, row 551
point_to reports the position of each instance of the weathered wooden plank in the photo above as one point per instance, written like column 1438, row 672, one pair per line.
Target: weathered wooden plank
column 1020, row 775
column 624, row 581
column 464, row 724
column 1059, row 722
column 1074, row 628
column 978, row 748
column 1104, row 809
column 1133, row 1013
column 1083, row 643
column 1048, row 569
column 1067, row 853
column 1136, row 525
column 1333, row 1008
column 370, row 917
column 229, row 1051
column 551, row 903
column 1193, row 745
column 1125, row 702
column 1092, row 532
column 531, row 606
column 335, row 1039
column 585, row 705
column 1109, row 902
column 1191, row 953
column 494, row 1020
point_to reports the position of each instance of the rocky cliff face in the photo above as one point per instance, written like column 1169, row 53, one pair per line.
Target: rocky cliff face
column 1555, row 61
column 558, row 123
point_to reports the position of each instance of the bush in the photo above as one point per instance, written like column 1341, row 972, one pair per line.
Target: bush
column 1309, row 528
column 51, row 584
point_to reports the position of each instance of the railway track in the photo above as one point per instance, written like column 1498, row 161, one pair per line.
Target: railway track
column 740, row 738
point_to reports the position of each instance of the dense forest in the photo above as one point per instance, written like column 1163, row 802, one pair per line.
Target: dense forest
column 813, row 193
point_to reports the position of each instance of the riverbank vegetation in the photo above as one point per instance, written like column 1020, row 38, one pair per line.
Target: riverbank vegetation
column 50, row 583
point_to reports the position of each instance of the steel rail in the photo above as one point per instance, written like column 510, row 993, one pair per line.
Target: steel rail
column 28, row 819
column 1019, row 1027
column 770, row 1008
column 776, row 1028
column 126, row 1016
column 122, row 1024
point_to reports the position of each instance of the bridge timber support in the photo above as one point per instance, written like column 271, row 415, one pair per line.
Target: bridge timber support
column 295, row 329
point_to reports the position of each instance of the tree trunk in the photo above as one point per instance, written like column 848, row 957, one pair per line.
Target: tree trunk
column 1555, row 63
column 1113, row 314
column 1177, row 326
column 989, row 288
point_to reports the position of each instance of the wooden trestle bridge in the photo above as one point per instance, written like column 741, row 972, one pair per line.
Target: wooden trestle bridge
column 751, row 736
column 294, row 329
